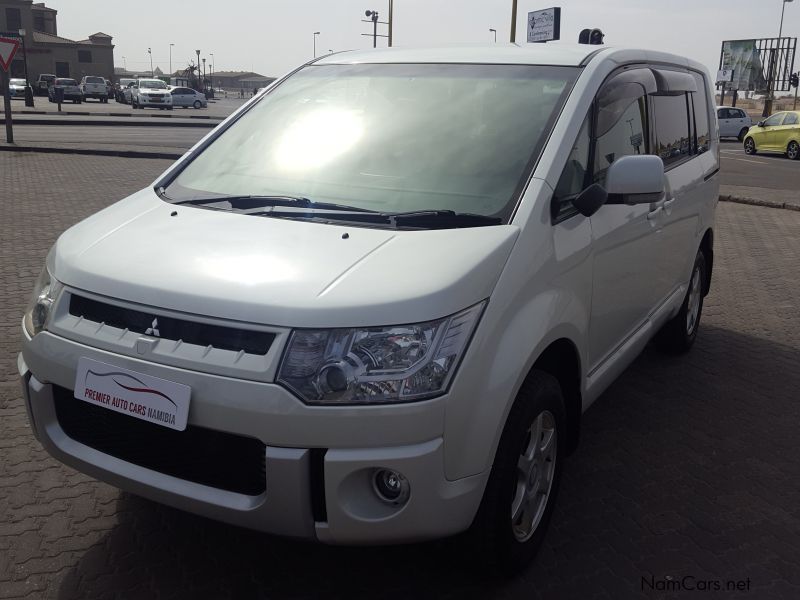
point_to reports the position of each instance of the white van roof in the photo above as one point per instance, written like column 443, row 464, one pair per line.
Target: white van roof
column 553, row 53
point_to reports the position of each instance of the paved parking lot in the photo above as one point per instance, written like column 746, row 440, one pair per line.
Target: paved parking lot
column 688, row 471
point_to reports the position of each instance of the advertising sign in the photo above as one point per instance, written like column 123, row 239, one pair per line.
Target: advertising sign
column 743, row 58
column 724, row 76
column 544, row 25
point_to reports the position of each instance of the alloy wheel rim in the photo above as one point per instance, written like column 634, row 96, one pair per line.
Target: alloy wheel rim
column 695, row 294
column 535, row 471
column 749, row 146
column 793, row 149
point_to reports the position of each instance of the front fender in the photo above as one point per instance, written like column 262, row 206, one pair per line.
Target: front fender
column 543, row 295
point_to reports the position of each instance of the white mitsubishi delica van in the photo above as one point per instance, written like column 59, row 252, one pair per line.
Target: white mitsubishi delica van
column 372, row 305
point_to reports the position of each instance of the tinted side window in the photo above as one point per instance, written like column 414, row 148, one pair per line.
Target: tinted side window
column 673, row 140
column 774, row 120
column 628, row 136
column 573, row 177
column 702, row 132
column 791, row 119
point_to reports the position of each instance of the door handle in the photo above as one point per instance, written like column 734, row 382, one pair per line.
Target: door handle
column 655, row 209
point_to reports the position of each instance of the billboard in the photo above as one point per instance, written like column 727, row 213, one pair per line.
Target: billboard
column 544, row 25
column 744, row 59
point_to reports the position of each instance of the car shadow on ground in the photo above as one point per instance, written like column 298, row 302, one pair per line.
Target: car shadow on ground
column 687, row 467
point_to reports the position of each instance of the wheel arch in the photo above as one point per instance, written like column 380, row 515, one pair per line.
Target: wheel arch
column 561, row 359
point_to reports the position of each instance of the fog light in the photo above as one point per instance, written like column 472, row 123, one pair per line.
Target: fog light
column 391, row 487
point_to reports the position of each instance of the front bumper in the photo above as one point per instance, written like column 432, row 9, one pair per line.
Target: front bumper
column 318, row 461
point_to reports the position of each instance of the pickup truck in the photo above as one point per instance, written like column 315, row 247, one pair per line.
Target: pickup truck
column 94, row 87
column 43, row 82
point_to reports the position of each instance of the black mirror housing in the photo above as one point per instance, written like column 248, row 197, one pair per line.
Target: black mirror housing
column 590, row 200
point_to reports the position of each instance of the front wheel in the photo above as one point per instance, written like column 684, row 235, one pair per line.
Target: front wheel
column 749, row 146
column 793, row 151
column 518, row 501
column 679, row 333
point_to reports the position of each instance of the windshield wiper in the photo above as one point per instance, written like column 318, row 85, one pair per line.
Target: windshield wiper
column 259, row 202
column 441, row 219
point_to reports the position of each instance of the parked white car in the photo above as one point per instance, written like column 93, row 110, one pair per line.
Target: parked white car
column 150, row 92
column 373, row 305
column 94, row 87
column 16, row 88
column 187, row 97
column 733, row 122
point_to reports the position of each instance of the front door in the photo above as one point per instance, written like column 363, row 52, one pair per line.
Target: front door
column 771, row 131
column 624, row 238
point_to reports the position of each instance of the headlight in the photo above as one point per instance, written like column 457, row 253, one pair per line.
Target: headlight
column 377, row 365
column 45, row 293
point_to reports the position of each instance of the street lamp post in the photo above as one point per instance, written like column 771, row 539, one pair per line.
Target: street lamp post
column 494, row 31
column 198, row 69
column 514, row 22
column 205, row 82
column 373, row 14
column 316, row 33
column 150, row 52
column 124, row 64
column 211, row 73
column 391, row 21
column 170, row 60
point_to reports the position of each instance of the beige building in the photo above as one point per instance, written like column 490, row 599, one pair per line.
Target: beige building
column 46, row 51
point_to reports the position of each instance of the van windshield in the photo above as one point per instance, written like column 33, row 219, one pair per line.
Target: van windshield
column 389, row 138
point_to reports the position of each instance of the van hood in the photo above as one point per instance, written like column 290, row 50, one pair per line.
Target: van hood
column 276, row 271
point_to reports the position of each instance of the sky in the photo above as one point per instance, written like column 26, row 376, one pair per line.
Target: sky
column 272, row 37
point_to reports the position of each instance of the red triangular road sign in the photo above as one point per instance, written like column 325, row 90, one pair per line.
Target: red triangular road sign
column 8, row 48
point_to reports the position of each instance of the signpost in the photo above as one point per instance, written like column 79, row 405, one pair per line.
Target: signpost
column 544, row 25
column 8, row 48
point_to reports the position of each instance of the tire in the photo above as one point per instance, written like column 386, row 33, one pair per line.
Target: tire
column 793, row 151
column 750, row 146
column 679, row 333
column 743, row 133
column 197, row 104
column 505, row 545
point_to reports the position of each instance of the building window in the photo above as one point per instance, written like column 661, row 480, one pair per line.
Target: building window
column 38, row 22
column 84, row 56
column 13, row 19
column 62, row 69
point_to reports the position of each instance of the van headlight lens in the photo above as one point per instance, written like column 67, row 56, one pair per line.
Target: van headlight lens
column 45, row 294
column 377, row 365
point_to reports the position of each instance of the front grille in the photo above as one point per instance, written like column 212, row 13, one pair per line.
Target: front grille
column 169, row 328
column 213, row 458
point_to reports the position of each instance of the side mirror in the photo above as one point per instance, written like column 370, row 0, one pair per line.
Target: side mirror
column 635, row 179
column 761, row 123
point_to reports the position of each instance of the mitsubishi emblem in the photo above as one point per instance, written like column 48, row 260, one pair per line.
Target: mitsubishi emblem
column 153, row 329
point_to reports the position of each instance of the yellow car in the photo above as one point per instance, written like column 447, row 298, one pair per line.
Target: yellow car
column 778, row 133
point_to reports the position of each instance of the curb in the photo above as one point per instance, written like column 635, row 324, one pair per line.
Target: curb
column 111, row 114
column 92, row 152
column 758, row 202
column 122, row 123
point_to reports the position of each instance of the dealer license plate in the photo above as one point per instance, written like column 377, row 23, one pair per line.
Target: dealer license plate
column 141, row 396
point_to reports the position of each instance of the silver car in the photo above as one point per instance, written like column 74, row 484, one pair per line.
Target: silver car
column 17, row 88
column 186, row 97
